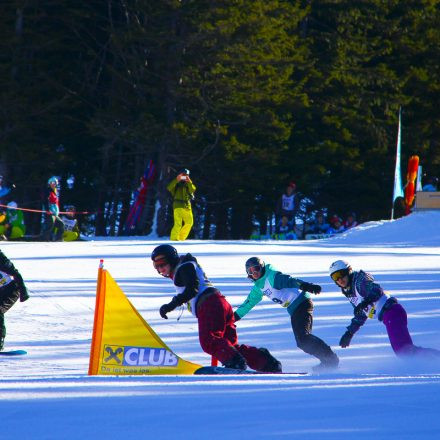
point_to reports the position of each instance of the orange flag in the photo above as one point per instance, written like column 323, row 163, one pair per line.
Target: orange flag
column 411, row 176
column 122, row 342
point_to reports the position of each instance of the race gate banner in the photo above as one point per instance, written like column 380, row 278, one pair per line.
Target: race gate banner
column 122, row 341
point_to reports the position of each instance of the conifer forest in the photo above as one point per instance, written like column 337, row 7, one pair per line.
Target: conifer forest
column 247, row 95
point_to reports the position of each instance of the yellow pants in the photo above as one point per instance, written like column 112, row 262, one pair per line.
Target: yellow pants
column 15, row 233
column 70, row 236
column 179, row 232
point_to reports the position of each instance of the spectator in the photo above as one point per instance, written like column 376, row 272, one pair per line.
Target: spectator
column 336, row 225
column 255, row 234
column 284, row 230
column 350, row 221
column 431, row 184
column 12, row 287
column 12, row 226
column 288, row 204
column 182, row 190
column 4, row 190
column 2, row 223
column 53, row 227
column 71, row 228
column 319, row 226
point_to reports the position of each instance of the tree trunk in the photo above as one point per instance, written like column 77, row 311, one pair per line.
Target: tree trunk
column 102, row 190
column 207, row 222
column 221, row 223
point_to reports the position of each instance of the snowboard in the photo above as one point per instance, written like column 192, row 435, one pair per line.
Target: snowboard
column 225, row 370
column 12, row 352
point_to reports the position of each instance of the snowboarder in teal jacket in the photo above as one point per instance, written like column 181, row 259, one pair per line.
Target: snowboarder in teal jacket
column 293, row 294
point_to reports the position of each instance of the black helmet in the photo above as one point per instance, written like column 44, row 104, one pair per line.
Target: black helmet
column 167, row 252
column 184, row 171
column 254, row 262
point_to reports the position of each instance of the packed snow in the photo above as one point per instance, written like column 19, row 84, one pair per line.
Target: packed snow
column 47, row 394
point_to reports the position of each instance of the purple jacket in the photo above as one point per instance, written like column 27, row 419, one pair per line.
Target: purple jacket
column 362, row 288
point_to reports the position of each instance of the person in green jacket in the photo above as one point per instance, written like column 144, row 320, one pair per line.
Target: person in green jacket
column 182, row 190
column 293, row 294
column 13, row 226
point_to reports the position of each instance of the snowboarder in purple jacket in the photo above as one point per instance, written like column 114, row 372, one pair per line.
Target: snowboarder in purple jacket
column 371, row 301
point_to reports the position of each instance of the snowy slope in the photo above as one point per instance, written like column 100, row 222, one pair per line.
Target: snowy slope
column 48, row 395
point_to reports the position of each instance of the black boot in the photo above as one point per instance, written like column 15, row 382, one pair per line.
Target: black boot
column 273, row 365
column 237, row 361
column 24, row 295
column 327, row 364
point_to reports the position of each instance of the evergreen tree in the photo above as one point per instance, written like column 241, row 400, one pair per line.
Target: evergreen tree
column 248, row 95
column 360, row 77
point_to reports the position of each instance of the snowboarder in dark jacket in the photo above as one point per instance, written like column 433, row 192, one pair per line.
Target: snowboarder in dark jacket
column 371, row 301
column 217, row 332
column 12, row 287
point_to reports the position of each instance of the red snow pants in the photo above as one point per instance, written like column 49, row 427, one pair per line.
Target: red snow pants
column 217, row 332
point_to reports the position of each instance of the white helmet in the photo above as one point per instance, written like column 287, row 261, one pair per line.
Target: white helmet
column 339, row 266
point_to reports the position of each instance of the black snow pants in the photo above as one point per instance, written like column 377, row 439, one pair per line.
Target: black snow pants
column 302, row 322
column 8, row 297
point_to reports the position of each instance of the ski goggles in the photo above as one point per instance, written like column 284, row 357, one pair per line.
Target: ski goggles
column 160, row 264
column 253, row 269
column 339, row 274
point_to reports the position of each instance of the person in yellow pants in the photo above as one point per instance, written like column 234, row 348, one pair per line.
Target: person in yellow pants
column 182, row 190
column 71, row 228
column 12, row 226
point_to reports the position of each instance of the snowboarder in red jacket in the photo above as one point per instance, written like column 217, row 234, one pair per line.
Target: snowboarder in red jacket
column 217, row 332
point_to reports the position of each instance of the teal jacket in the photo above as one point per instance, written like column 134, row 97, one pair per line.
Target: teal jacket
column 278, row 287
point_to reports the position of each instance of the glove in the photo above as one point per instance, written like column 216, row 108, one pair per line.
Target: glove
column 309, row 287
column 236, row 317
column 24, row 295
column 346, row 339
column 19, row 283
column 166, row 308
column 361, row 307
